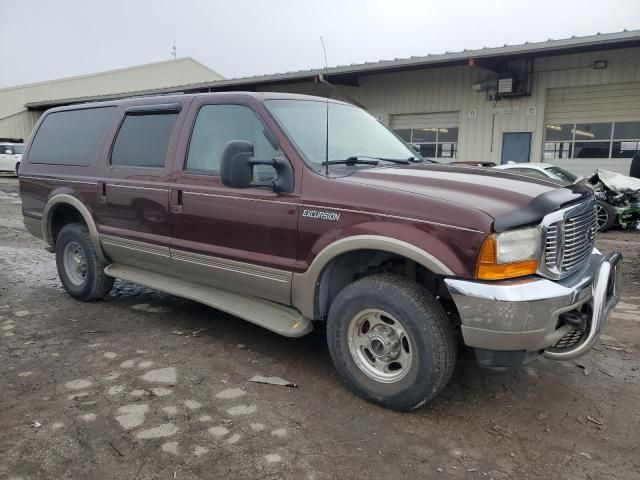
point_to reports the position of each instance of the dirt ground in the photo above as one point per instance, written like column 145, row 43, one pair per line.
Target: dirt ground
column 146, row 385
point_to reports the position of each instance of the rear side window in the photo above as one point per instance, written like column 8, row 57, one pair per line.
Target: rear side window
column 71, row 137
column 143, row 140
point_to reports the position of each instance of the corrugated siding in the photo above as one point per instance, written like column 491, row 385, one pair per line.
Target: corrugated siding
column 19, row 125
column 483, row 122
column 155, row 76
column 425, row 120
column 174, row 73
column 606, row 103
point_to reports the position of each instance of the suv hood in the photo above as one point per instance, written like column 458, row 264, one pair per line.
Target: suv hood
column 495, row 192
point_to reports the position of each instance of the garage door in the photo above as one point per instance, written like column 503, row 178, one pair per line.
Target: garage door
column 593, row 127
column 598, row 102
column 435, row 134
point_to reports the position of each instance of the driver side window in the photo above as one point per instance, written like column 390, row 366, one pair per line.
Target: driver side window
column 215, row 126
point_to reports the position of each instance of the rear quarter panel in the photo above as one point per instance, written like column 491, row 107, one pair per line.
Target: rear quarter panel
column 40, row 182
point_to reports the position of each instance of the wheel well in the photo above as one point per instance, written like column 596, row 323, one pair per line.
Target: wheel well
column 62, row 215
column 351, row 266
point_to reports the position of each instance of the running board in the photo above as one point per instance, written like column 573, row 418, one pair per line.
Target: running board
column 280, row 319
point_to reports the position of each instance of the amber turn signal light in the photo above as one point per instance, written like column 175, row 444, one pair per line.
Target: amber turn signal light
column 488, row 267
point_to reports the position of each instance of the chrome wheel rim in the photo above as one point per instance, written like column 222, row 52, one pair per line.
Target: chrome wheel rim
column 75, row 263
column 603, row 216
column 380, row 346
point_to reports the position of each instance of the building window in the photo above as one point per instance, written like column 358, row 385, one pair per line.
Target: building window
column 438, row 142
column 592, row 140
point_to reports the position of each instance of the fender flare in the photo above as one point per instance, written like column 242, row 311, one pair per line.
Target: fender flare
column 64, row 198
column 304, row 285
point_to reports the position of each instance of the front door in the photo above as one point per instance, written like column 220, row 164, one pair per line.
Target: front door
column 242, row 240
column 516, row 147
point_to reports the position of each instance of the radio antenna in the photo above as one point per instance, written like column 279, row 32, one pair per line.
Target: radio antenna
column 326, row 147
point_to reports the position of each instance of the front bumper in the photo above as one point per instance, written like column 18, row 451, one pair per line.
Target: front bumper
column 527, row 314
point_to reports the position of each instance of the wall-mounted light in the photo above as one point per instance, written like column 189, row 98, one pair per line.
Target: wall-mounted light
column 599, row 64
column 583, row 133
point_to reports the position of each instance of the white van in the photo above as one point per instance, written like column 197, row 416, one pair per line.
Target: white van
column 11, row 156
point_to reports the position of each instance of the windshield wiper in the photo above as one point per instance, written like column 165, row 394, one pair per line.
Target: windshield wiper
column 367, row 160
column 349, row 161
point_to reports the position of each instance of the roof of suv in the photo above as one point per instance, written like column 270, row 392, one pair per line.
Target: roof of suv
column 150, row 100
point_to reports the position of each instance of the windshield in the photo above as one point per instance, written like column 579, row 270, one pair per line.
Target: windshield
column 561, row 174
column 352, row 132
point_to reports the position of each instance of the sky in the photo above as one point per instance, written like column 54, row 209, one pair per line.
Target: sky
column 48, row 39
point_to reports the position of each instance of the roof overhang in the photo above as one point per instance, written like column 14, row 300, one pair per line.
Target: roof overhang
column 350, row 74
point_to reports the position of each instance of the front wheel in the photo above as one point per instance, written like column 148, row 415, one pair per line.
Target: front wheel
column 606, row 216
column 79, row 268
column 391, row 341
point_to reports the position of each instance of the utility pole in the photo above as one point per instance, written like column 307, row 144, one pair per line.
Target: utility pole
column 174, row 50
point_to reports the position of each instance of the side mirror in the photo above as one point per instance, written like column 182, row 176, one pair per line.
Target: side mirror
column 8, row 151
column 236, row 168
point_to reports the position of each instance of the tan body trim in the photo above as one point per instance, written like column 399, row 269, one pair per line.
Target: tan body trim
column 64, row 198
column 278, row 318
column 304, row 285
column 263, row 282
column 242, row 277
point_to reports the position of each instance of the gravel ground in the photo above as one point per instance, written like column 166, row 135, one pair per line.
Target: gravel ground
column 146, row 385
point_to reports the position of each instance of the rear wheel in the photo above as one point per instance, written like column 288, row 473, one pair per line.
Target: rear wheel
column 79, row 268
column 606, row 216
column 391, row 341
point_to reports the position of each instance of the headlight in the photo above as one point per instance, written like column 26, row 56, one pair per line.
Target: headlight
column 509, row 254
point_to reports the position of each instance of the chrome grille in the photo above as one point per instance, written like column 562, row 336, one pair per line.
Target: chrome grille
column 569, row 242
column 579, row 238
column 551, row 246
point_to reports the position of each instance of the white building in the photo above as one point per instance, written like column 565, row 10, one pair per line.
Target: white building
column 21, row 106
column 574, row 102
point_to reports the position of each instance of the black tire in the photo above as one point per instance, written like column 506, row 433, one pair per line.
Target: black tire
column 96, row 284
column 611, row 216
column 429, row 332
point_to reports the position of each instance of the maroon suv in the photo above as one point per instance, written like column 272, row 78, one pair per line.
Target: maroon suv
column 287, row 210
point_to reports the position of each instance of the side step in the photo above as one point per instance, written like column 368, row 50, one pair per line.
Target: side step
column 280, row 319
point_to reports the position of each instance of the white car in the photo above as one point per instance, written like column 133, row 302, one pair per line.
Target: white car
column 607, row 215
column 10, row 157
column 541, row 170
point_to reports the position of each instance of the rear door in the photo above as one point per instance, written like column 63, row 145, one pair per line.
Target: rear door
column 242, row 240
column 133, row 193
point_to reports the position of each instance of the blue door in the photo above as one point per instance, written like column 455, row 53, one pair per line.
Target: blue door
column 516, row 147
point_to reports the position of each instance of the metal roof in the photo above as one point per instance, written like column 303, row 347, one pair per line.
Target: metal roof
column 573, row 44
column 108, row 73
column 169, row 75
